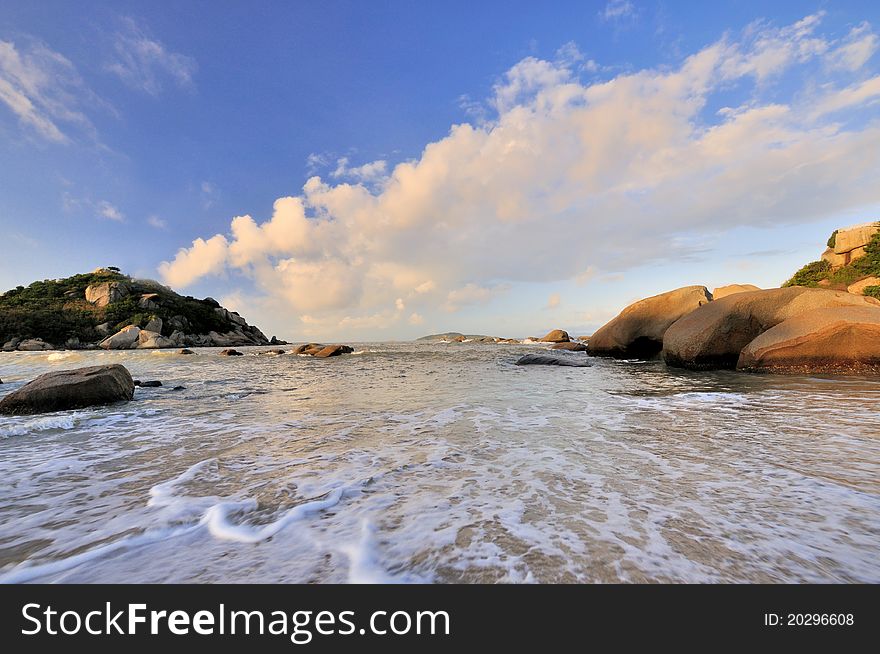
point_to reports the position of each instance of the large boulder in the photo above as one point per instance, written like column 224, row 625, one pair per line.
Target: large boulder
column 308, row 348
column 550, row 360
column 837, row 340
column 858, row 288
column 557, row 336
column 35, row 345
column 124, row 339
column 148, row 340
column 154, row 324
column 106, row 293
column 70, row 389
column 730, row 289
column 714, row 335
column 639, row 329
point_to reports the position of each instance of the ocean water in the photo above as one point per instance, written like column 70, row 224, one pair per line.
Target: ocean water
column 419, row 462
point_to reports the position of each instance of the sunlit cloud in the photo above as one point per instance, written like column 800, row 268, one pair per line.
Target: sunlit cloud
column 570, row 178
column 146, row 64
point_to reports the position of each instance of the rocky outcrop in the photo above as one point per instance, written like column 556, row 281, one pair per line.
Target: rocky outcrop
column 849, row 244
column 859, row 287
column 106, row 293
column 125, row 339
column 837, row 340
column 550, row 360
column 572, row 347
column 730, row 289
column 713, row 335
column 639, row 329
column 70, row 389
column 87, row 310
column 556, row 336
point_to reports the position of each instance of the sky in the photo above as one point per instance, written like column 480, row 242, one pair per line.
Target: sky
column 382, row 170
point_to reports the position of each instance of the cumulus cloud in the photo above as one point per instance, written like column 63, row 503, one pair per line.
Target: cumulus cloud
column 145, row 63
column 43, row 89
column 553, row 301
column 373, row 171
column 569, row 179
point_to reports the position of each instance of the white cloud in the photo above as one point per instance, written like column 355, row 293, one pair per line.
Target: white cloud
column 144, row 63
column 158, row 223
column 108, row 211
column 618, row 9
column 855, row 51
column 553, row 301
column 416, row 319
column 43, row 90
column 373, row 171
column 570, row 179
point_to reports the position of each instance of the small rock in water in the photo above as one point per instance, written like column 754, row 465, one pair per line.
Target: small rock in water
column 179, row 388
column 149, row 384
column 185, row 351
column 230, row 353
column 550, row 360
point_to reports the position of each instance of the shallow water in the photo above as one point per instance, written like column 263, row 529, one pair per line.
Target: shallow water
column 441, row 462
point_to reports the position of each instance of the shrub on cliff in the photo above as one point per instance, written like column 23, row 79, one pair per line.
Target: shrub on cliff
column 810, row 275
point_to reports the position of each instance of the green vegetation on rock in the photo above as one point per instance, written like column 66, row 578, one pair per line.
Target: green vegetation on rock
column 872, row 291
column 810, row 275
column 865, row 266
column 832, row 240
column 56, row 310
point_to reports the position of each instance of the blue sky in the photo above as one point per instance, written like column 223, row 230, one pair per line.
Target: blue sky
column 501, row 168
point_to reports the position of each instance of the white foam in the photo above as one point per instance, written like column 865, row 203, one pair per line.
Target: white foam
column 25, row 572
column 25, row 426
column 363, row 563
column 220, row 526
column 62, row 356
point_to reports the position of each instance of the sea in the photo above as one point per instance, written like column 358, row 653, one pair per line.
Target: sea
column 440, row 463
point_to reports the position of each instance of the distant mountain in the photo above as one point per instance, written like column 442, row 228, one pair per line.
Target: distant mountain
column 108, row 309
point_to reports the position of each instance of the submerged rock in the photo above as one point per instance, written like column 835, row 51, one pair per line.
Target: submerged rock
column 572, row 347
column 230, row 353
column 637, row 333
column 147, row 384
column 714, row 335
column 838, row 340
column 550, row 360
column 70, row 389
column 185, row 351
